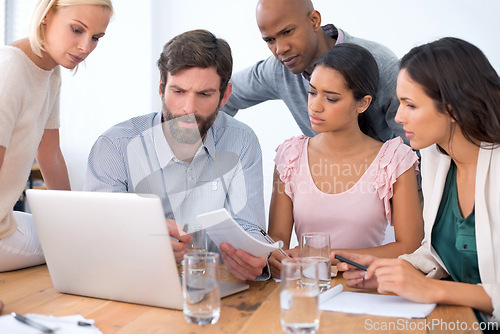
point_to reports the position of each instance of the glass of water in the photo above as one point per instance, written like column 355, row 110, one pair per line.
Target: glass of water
column 316, row 245
column 199, row 234
column 200, row 287
column 299, row 295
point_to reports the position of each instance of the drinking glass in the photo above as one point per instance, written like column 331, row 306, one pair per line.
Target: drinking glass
column 316, row 245
column 199, row 234
column 200, row 287
column 299, row 295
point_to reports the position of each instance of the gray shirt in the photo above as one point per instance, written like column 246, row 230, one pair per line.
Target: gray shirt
column 270, row 80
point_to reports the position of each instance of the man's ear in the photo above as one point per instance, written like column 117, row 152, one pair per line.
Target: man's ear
column 227, row 93
column 315, row 19
column 364, row 104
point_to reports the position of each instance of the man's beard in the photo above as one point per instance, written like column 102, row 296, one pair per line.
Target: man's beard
column 184, row 135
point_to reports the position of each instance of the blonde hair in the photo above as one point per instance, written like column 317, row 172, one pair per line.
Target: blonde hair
column 41, row 9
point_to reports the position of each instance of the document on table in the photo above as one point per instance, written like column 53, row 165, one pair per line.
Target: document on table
column 369, row 303
column 221, row 227
column 73, row 324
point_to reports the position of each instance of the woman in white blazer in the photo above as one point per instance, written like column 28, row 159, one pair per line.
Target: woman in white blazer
column 450, row 109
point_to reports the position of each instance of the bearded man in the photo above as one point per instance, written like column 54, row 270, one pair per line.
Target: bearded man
column 193, row 157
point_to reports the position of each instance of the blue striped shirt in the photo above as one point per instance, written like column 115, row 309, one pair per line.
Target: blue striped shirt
column 226, row 171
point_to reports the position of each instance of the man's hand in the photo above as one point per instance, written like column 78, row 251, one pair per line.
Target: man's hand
column 276, row 258
column 243, row 265
column 179, row 245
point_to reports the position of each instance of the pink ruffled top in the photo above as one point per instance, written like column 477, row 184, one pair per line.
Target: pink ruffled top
column 356, row 218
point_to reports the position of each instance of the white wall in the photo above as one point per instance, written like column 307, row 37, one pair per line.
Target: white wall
column 2, row 26
column 121, row 78
column 111, row 86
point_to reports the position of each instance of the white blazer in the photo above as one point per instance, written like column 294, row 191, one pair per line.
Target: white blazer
column 435, row 166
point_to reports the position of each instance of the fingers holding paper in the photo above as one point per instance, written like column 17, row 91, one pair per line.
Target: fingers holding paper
column 241, row 264
column 180, row 241
column 276, row 258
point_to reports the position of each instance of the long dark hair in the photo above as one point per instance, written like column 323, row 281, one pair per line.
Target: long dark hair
column 462, row 83
column 360, row 71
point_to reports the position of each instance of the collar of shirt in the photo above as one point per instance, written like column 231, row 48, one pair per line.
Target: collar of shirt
column 333, row 32
column 165, row 153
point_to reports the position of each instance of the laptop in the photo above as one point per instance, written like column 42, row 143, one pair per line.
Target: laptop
column 112, row 246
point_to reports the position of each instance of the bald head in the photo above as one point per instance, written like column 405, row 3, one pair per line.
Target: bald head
column 292, row 31
column 304, row 7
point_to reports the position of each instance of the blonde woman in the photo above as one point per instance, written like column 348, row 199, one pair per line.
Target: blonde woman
column 62, row 33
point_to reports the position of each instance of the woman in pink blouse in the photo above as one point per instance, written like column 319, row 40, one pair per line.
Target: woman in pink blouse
column 342, row 181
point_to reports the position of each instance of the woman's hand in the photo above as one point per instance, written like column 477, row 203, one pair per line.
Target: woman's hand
column 355, row 278
column 401, row 278
column 276, row 258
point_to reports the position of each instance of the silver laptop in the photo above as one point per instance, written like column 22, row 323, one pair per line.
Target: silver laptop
column 110, row 245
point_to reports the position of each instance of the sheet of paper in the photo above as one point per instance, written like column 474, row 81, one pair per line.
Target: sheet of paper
column 371, row 303
column 221, row 227
column 64, row 325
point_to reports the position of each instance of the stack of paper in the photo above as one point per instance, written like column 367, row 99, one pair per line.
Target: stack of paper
column 221, row 227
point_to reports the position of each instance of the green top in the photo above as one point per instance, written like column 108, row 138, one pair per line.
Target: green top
column 454, row 237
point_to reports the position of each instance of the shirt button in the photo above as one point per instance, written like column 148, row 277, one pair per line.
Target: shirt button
column 465, row 246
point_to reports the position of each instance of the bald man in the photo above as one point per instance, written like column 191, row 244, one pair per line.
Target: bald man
column 293, row 32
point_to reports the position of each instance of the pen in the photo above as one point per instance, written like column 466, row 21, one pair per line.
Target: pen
column 357, row 265
column 32, row 323
column 270, row 240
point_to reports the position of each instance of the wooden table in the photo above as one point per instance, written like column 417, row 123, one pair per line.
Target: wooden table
column 256, row 310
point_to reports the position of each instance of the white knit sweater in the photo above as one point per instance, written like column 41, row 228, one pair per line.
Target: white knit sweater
column 29, row 104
